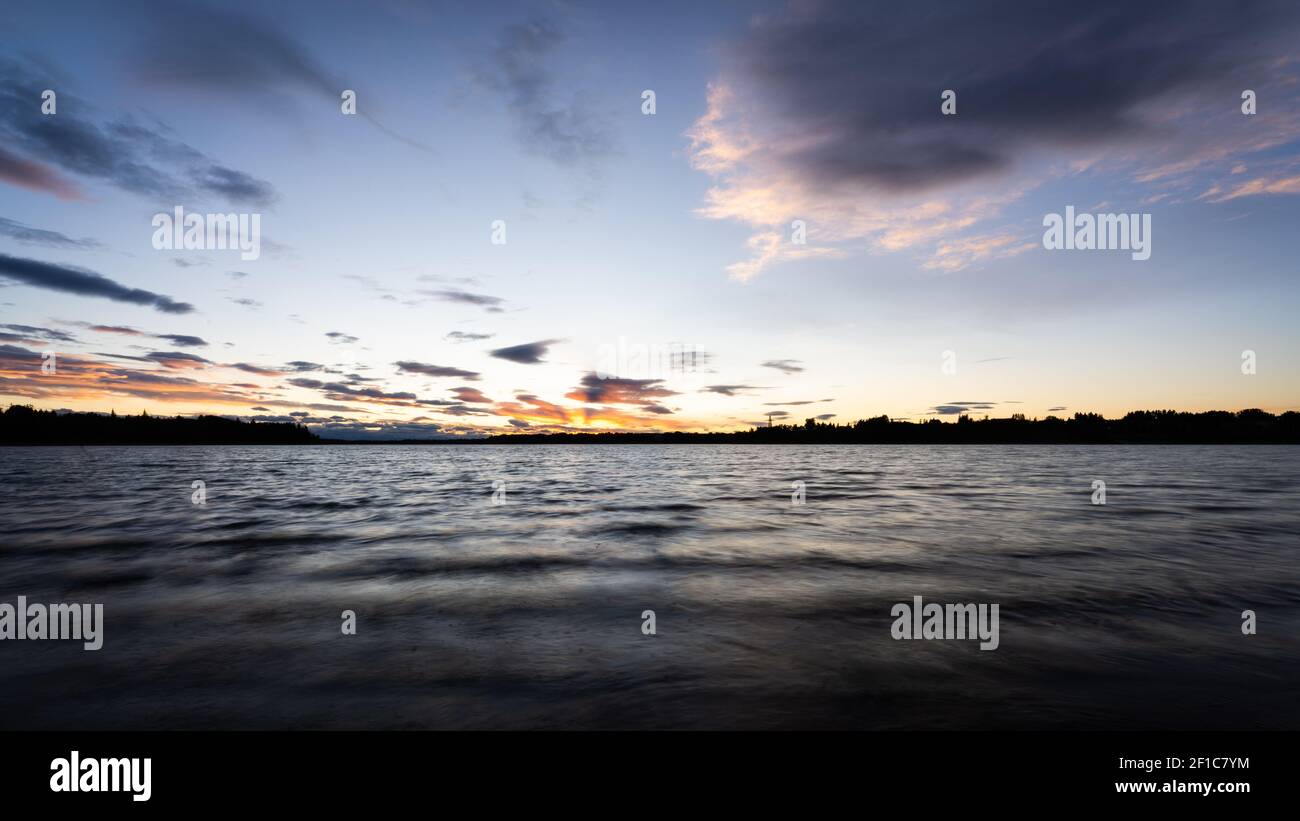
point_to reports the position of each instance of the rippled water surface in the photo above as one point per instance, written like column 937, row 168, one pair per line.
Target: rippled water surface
column 768, row 614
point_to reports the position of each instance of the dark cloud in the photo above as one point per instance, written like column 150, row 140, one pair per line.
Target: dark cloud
column 824, row 416
column 301, row 366
column 183, row 340
column 865, row 78
column 958, row 407
column 784, row 365
column 340, row 337
column 257, row 369
column 40, row 236
column 434, row 370
column 530, row 353
column 124, row 153
column 85, row 283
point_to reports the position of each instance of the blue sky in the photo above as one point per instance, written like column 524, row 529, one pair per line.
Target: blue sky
column 657, row 233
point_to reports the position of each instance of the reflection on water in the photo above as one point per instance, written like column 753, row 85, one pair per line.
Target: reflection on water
column 768, row 614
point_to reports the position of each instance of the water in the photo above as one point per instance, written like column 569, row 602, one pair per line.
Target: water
column 768, row 614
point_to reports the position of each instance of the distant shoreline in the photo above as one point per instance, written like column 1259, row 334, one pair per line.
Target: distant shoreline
column 22, row 425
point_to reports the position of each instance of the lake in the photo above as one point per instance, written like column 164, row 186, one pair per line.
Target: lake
column 508, row 586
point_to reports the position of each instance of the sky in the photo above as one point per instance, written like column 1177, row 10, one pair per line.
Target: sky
column 505, row 237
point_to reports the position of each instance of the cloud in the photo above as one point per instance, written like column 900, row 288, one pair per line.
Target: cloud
column 731, row 390
column 85, row 283
column 470, row 395
column 784, row 365
column 112, row 329
column 463, row 336
column 434, row 370
column 40, row 236
column 257, row 369
column 176, row 359
column 550, row 416
column 205, row 49
column 530, row 353
column 553, row 119
column 958, row 407
column 85, row 378
column 181, row 340
column 339, row 391
column 29, row 331
column 617, row 391
column 342, row 338
column 1255, row 187
column 491, row 303
column 829, row 112
column 123, row 153
column 34, row 176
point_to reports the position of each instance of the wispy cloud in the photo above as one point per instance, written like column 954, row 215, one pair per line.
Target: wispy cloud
column 554, row 119
column 40, row 236
column 201, row 49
